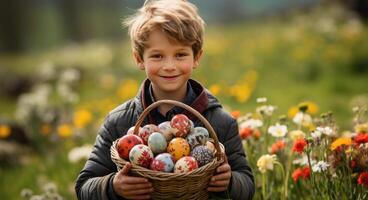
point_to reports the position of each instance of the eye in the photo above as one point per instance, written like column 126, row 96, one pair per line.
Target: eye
column 156, row 56
column 181, row 55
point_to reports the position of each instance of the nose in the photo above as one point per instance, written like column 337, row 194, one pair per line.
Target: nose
column 169, row 64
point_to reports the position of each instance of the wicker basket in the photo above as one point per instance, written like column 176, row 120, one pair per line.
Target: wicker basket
column 189, row 185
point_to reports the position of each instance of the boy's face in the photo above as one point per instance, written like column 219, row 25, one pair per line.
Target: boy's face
column 168, row 64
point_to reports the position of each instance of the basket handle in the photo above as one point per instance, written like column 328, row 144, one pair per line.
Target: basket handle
column 186, row 107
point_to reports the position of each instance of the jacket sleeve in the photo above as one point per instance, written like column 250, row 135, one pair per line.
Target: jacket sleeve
column 242, row 181
column 95, row 180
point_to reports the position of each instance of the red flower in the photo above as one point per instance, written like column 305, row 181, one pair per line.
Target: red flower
column 363, row 179
column 245, row 132
column 277, row 146
column 361, row 138
column 299, row 145
column 301, row 172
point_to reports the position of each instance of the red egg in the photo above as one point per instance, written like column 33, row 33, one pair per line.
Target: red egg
column 146, row 131
column 185, row 164
column 126, row 143
column 181, row 125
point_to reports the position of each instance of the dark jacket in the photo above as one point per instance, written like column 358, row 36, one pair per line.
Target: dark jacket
column 95, row 180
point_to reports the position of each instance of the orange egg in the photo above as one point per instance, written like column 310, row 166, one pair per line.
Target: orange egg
column 178, row 148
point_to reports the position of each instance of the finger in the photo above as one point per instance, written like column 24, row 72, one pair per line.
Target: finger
column 222, row 176
column 125, row 169
column 223, row 168
column 216, row 189
column 137, row 186
column 139, row 197
column 223, row 183
column 134, row 180
column 138, row 192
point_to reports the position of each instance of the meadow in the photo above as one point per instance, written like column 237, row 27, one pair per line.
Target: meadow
column 317, row 58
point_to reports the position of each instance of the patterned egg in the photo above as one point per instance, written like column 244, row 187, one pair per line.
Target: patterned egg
column 163, row 162
column 131, row 130
column 146, row 131
column 181, row 125
column 178, row 147
column 185, row 164
column 126, row 143
column 166, row 130
column 211, row 146
column 141, row 155
column 157, row 143
column 202, row 154
column 199, row 136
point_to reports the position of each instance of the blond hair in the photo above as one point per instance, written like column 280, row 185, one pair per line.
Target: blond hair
column 178, row 19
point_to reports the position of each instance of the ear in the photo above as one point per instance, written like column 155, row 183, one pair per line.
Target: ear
column 198, row 58
column 138, row 60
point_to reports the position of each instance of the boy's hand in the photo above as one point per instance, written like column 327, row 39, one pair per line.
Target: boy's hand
column 221, row 180
column 131, row 187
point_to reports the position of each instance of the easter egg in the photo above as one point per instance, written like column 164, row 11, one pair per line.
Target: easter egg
column 166, row 130
column 178, row 147
column 131, row 130
column 163, row 162
column 181, row 125
column 199, row 136
column 202, row 154
column 210, row 146
column 185, row 164
column 146, row 131
column 141, row 155
column 157, row 142
column 126, row 143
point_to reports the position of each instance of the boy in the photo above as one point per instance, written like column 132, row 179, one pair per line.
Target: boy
column 167, row 37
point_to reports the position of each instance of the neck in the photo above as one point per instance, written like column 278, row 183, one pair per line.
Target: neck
column 178, row 95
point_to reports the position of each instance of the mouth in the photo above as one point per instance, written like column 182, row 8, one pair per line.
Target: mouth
column 170, row 77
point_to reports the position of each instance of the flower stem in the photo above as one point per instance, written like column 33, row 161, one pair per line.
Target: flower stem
column 284, row 193
column 264, row 185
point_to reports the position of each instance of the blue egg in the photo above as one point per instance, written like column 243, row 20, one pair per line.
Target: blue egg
column 157, row 143
column 163, row 162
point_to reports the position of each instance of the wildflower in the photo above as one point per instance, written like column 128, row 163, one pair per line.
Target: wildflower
column 81, row 118
column 310, row 107
column 252, row 123
column 301, row 173
column 245, row 132
column 266, row 162
column 303, row 161
column 215, row 89
column 339, row 142
column 127, row 89
column 361, row 128
column 277, row 146
column 320, row 166
column 261, row 100
column 79, row 153
column 64, row 130
column 325, row 130
column 235, row 114
column 5, row 131
column 303, row 119
column 278, row 130
column 299, row 145
column 256, row 133
column 316, row 134
column 296, row 134
column 363, row 179
column 361, row 138
column 266, row 110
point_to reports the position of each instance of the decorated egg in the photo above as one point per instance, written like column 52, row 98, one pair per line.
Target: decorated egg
column 185, row 164
column 166, row 130
column 131, row 130
column 146, row 131
column 178, row 147
column 211, row 146
column 157, row 143
column 202, row 154
column 126, row 143
column 141, row 155
column 199, row 136
column 181, row 125
column 163, row 162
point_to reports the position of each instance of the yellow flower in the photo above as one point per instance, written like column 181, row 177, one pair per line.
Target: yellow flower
column 81, row 118
column 127, row 89
column 292, row 111
column 266, row 162
column 5, row 131
column 45, row 129
column 296, row 134
column 311, row 107
column 341, row 141
column 361, row 128
column 215, row 89
column 64, row 130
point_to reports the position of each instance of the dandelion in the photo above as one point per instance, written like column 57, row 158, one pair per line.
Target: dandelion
column 320, row 166
column 5, row 131
column 81, row 118
column 278, row 130
column 299, row 146
column 64, row 130
column 266, row 162
column 339, row 142
column 296, row 134
column 363, row 179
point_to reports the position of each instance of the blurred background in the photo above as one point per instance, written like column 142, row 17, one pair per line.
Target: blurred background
column 65, row 64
